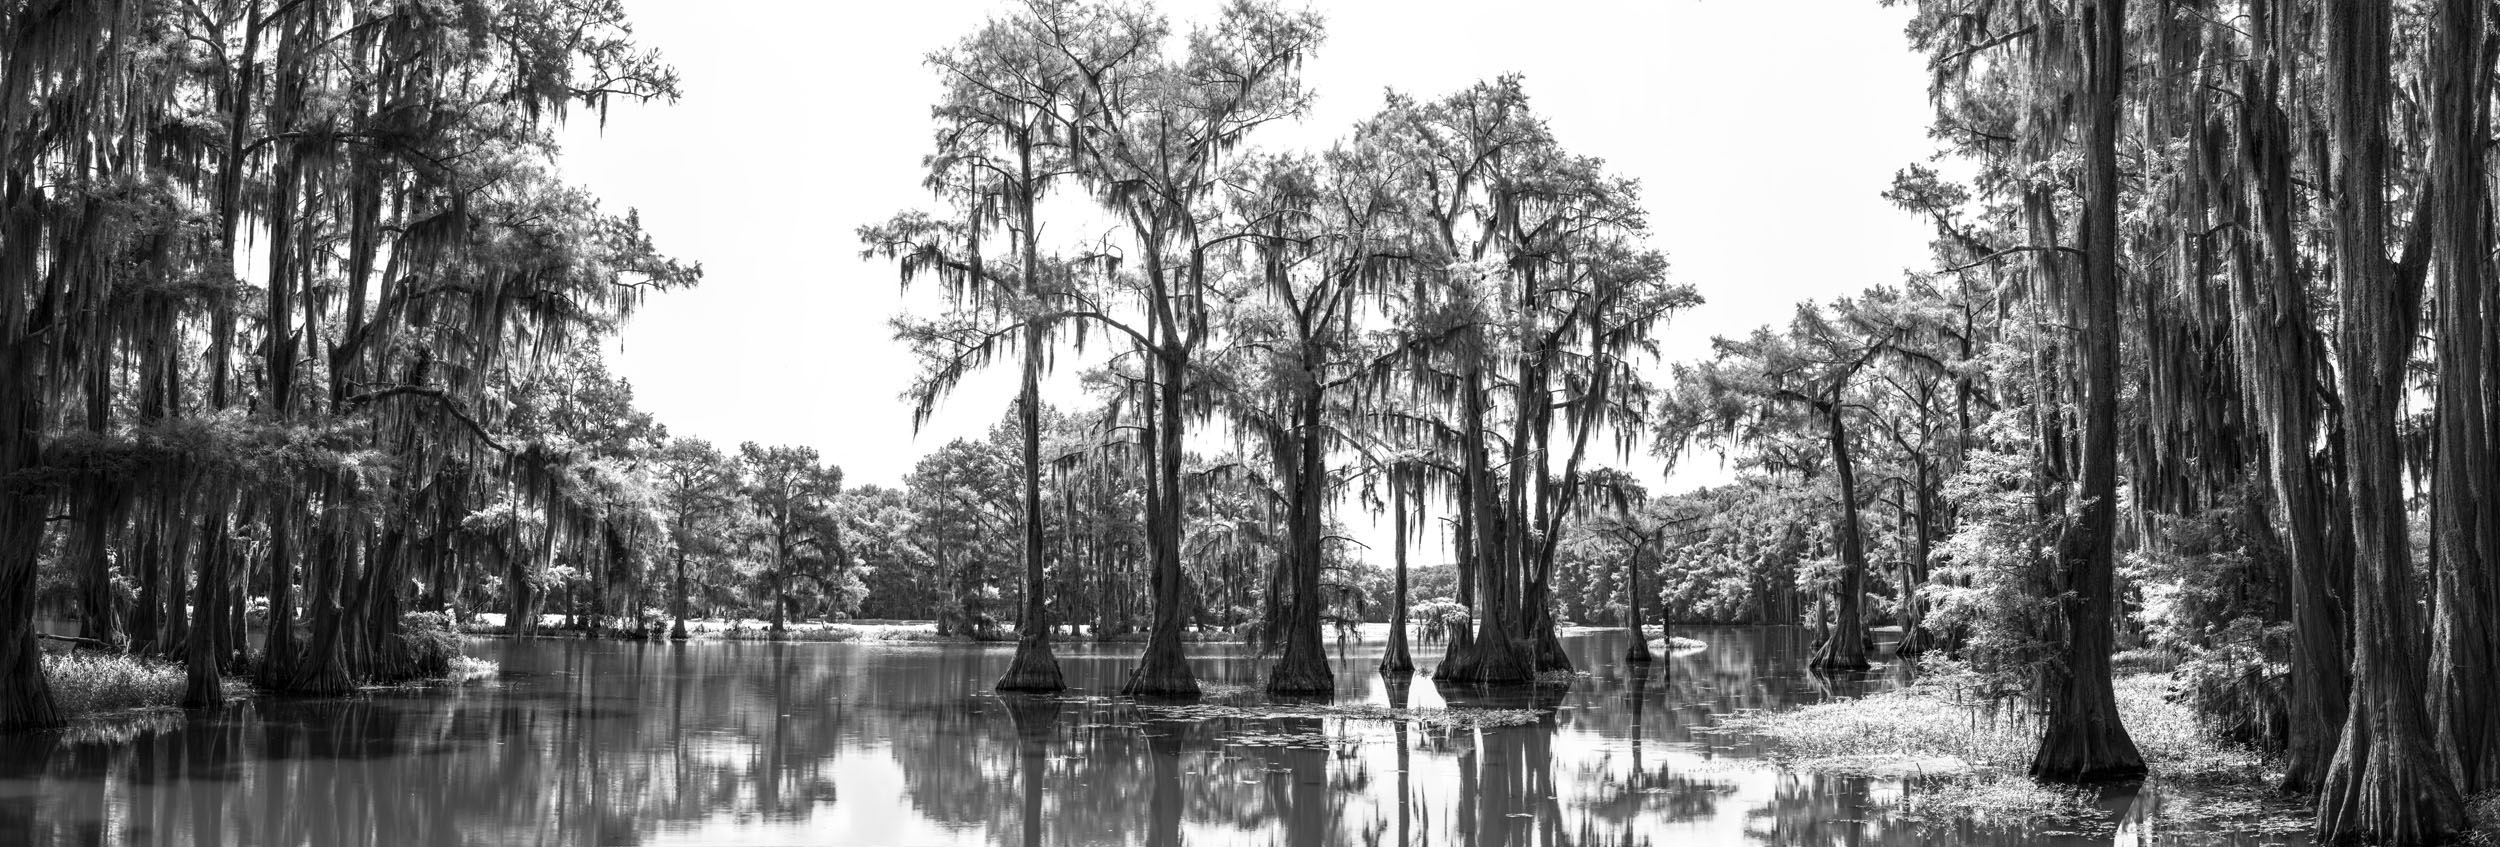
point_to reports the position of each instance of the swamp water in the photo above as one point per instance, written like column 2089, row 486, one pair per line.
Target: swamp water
column 722, row 742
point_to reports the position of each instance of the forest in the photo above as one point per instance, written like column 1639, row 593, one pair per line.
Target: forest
column 302, row 339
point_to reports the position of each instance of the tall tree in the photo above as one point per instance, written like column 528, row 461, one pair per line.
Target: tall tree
column 697, row 488
column 2387, row 783
column 790, row 491
column 2465, row 500
column 2084, row 739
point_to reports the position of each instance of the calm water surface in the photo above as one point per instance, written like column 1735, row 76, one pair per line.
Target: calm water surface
column 609, row 743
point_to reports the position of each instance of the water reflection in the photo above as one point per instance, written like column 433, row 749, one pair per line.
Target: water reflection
column 589, row 743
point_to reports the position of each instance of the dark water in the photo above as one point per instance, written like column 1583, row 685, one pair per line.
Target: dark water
column 605, row 743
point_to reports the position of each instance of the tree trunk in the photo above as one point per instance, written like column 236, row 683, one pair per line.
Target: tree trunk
column 677, row 628
column 204, row 684
column 323, row 669
column 2464, row 702
column 1164, row 669
column 98, row 513
column 2387, row 784
column 2274, row 336
column 1493, row 657
column 1639, row 652
column 25, row 697
column 1915, row 639
column 1845, row 647
column 2084, row 740
column 1397, row 661
column 1303, row 669
column 1034, row 668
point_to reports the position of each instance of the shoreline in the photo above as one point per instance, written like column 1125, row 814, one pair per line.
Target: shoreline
column 92, row 687
column 925, row 632
column 1957, row 758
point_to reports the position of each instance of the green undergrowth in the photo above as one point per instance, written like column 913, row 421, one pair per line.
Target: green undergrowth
column 1965, row 758
column 90, row 684
column 2483, row 810
column 472, row 669
column 86, row 684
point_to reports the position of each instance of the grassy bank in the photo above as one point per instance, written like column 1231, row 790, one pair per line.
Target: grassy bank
column 88, row 685
column 1968, row 758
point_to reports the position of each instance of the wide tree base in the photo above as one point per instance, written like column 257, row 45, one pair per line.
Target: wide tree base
column 1549, row 652
column 1163, row 672
column 203, row 686
column 1487, row 661
column 1034, row 670
column 322, row 681
column 1915, row 641
column 2082, row 754
column 1397, row 658
column 1301, row 679
column 25, row 697
column 1829, row 657
column 2387, row 800
column 1161, row 686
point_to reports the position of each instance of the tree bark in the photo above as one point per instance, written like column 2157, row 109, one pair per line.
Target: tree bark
column 1034, row 668
column 1639, row 652
column 2387, row 784
column 2464, row 703
column 1493, row 657
column 1163, row 671
column 1845, row 647
column 2274, row 335
column 2084, row 740
column 1397, row 660
column 1303, row 669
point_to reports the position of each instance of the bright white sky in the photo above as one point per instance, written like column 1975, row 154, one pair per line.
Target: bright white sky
column 1761, row 132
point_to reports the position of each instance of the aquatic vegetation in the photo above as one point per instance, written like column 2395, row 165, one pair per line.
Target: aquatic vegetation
column 86, row 684
column 1968, row 757
column 472, row 669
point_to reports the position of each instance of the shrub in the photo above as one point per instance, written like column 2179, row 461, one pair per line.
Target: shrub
column 91, row 683
column 428, row 642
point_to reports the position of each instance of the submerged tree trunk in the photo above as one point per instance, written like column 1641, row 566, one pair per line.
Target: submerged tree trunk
column 1915, row 639
column 2387, row 785
column 1845, row 647
column 1397, row 661
column 677, row 627
column 1034, row 668
column 1164, row 669
column 204, row 683
column 1639, row 652
column 2084, row 740
column 1493, row 657
column 1303, row 669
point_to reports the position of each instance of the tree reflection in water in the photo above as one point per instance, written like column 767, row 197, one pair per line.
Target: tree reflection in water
column 589, row 743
